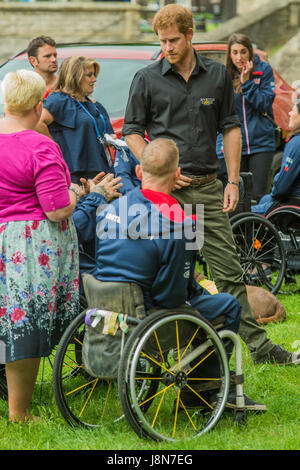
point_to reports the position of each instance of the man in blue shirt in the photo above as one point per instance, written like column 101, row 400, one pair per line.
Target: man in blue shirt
column 145, row 237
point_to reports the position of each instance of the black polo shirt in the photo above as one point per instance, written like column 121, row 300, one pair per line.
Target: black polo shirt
column 191, row 113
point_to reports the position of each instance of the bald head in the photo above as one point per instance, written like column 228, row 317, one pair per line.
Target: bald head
column 160, row 158
column 158, row 169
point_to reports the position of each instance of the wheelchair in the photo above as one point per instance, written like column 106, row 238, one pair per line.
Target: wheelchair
column 156, row 358
column 286, row 220
column 268, row 246
column 260, row 250
column 258, row 243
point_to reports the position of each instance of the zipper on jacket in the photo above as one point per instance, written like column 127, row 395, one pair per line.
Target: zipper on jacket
column 245, row 124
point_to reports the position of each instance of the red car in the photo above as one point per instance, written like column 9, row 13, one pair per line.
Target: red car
column 120, row 62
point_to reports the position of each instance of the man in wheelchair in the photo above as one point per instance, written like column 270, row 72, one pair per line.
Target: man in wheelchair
column 286, row 185
column 146, row 238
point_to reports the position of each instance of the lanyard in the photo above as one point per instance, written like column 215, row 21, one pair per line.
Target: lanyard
column 101, row 139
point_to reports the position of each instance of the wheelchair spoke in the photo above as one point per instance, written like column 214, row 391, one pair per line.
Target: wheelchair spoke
column 78, row 341
column 159, row 347
column 176, row 413
column 178, row 347
column 200, row 362
column 88, row 398
column 199, row 396
column 106, row 400
column 189, row 343
column 95, row 381
column 156, row 394
column 188, row 415
column 158, row 408
column 156, row 362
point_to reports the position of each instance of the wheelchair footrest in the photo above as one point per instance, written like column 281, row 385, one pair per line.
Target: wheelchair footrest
column 237, row 379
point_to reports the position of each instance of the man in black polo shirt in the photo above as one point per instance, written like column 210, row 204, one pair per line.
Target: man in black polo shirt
column 189, row 99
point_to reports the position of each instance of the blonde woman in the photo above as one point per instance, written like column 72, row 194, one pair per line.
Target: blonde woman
column 77, row 122
column 38, row 242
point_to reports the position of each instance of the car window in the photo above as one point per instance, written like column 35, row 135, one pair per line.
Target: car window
column 214, row 55
column 112, row 85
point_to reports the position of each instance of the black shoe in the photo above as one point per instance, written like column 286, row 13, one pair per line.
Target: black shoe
column 279, row 356
column 266, row 272
column 250, row 405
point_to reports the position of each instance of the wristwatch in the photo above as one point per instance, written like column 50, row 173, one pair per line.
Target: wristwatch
column 75, row 190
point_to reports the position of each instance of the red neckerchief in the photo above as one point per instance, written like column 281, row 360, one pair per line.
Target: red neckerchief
column 164, row 202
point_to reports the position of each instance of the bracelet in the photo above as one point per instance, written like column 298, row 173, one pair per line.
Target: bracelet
column 75, row 190
column 232, row 182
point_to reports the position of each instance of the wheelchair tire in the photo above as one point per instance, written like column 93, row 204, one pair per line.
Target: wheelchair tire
column 165, row 340
column 258, row 243
column 286, row 219
column 3, row 384
column 82, row 400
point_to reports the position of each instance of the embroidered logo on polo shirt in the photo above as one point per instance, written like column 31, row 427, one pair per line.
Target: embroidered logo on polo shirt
column 207, row 101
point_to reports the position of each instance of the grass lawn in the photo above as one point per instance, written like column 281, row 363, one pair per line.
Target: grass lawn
column 277, row 429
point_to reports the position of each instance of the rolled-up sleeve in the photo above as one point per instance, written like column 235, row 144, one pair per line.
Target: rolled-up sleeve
column 135, row 119
column 51, row 177
column 62, row 108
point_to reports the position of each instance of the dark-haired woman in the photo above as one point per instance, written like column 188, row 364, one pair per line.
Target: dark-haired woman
column 254, row 85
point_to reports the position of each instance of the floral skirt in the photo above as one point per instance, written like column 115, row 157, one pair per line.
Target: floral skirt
column 39, row 286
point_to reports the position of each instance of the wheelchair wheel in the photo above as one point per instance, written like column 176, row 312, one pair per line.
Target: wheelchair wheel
column 3, row 384
column 261, row 251
column 82, row 400
column 177, row 347
column 286, row 219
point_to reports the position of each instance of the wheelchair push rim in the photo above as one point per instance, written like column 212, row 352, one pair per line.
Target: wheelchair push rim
column 82, row 400
column 163, row 415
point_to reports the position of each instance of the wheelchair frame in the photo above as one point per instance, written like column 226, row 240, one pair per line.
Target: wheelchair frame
column 283, row 224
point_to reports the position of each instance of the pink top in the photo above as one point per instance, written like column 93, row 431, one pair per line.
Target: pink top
column 34, row 176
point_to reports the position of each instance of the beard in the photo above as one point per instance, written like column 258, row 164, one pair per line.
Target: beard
column 178, row 56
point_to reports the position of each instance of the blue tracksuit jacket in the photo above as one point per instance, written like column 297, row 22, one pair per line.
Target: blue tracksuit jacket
column 124, row 166
column 258, row 133
column 287, row 181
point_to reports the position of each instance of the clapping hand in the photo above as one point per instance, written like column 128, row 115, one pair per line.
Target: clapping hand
column 107, row 185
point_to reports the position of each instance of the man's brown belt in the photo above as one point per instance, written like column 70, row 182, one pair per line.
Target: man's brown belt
column 202, row 179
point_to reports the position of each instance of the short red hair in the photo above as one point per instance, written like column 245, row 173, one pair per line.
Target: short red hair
column 174, row 14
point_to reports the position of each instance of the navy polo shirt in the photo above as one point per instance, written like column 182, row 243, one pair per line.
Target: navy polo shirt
column 74, row 131
column 191, row 113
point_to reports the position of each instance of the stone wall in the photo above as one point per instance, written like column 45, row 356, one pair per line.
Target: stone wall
column 269, row 26
column 66, row 22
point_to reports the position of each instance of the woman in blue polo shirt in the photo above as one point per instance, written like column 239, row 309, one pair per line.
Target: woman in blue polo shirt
column 76, row 122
